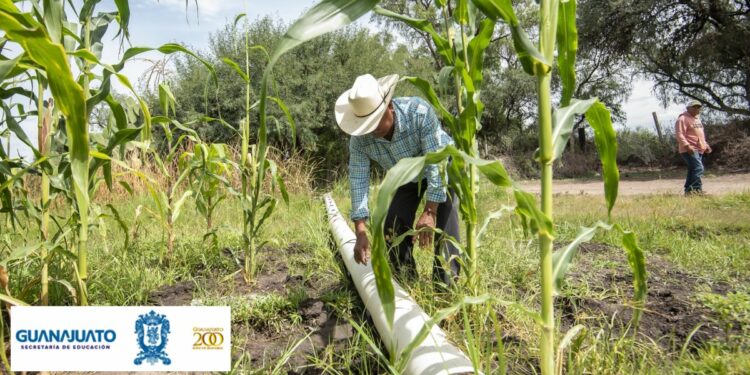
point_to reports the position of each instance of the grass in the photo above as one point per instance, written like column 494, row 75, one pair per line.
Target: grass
column 701, row 236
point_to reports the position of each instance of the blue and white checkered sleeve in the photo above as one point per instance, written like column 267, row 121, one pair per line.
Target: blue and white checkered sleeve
column 432, row 139
column 359, row 181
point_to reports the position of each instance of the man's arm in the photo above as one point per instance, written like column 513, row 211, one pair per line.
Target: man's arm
column 679, row 132
column 432, row 139
column 359, row 186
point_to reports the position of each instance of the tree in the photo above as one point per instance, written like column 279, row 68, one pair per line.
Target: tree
column 691, row 48
column 308, row 79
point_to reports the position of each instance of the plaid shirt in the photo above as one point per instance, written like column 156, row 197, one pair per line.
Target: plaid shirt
column 417, row 132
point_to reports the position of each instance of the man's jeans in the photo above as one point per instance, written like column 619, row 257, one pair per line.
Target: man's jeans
column 693, row 181
column 400, row 220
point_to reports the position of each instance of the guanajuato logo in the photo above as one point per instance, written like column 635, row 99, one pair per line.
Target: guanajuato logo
column 153, row 331
column 65, row 339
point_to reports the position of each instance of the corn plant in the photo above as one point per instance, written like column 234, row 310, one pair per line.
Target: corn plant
column 254, row 165
column 49, row 40
column 462, row 48
column 464, row 58
column 208, row 168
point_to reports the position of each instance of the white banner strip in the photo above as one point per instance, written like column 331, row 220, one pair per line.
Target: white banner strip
column 109, row 338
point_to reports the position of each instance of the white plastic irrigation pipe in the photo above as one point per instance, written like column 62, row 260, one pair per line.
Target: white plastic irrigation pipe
column 435, row 355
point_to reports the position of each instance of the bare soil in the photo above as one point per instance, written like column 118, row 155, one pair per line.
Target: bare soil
column 670, row 184
column 671, row 313
column 265, row 344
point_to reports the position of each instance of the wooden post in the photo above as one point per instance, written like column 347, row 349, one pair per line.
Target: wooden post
column 582, row 138
column 658, row 127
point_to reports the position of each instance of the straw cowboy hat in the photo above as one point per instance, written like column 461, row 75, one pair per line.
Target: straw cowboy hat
column 359, row 109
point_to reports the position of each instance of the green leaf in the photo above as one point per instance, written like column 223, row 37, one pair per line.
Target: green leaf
column 7, row 66
column 166, row 99
column 436, row 318
column 289, row 118
column 146, row 135
column 178, row 205
column 13, row 301
column 561, row 259
column 605, row 138
column 326, row 16
column 562, row 121
column 15, row 128
column 53, row 17
column 442, row 46
column 532, row 60
column 527, row 207
column 494, row 215
column 404, row 171
column 498, row 10
column 432, row 97
column 121, row 223
column 477, row 46
column 20, row 253
column 123, row 17
column 637, row 262
column 236, row 68
column 238, row 18
column 567, row 47
column 31, row 36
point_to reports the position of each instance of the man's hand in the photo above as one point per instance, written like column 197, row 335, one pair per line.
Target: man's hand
column 427, row 222
column 362, row 249
column 708, row 149
column 362, row 246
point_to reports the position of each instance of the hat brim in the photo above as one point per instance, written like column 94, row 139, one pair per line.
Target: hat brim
column 354, row 125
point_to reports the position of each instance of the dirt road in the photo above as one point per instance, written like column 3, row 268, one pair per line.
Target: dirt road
column 730, row 183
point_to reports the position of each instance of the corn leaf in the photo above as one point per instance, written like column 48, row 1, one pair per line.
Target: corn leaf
column 494, row 215
column 477, row 46
column 567, row 47
column 288, row 116
column 404, row 171
column 527, row 208
column 326, row 16
column 432, row 97
column 21, row 253
column 7, row 66
column 13, row 301
column 561, row 259
column 605, row 138
column 123, row 17
column 498, row 10
column 436, row 318
column 562, row 122
column 236, row 67
column 166, row 99
column 442, row 46
column 68, row 94
column 178, row 205
column 637, row 262
column 53, row 17
column 532, row 60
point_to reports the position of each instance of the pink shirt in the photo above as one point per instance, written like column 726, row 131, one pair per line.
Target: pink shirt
column 689, row 133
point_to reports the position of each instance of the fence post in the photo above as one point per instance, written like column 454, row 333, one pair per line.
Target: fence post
column 658, row 127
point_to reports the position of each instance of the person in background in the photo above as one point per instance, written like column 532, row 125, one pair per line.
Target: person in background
column 692, row 145
column 384, row 129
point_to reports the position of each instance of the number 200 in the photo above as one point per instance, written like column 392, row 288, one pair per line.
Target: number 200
column 208, row 339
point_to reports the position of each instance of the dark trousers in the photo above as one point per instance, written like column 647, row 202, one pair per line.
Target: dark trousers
column 693, row 181
column 400, row 219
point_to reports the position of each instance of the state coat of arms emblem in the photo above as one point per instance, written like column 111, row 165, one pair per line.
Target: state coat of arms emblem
column 153, row 331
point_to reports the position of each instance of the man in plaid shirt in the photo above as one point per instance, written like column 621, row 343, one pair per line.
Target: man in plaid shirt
column 385, row 130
